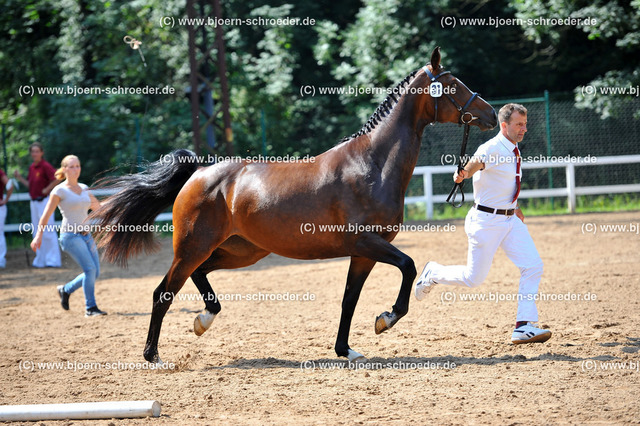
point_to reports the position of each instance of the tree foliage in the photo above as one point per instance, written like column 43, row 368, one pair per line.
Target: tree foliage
column 369, row 43
column 602, row 52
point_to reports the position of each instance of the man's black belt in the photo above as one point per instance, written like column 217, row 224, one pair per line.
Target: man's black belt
column 506, row 212
column 39, row 198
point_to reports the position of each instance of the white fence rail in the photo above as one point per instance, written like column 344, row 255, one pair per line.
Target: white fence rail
column 570, row 190
column 17, row 227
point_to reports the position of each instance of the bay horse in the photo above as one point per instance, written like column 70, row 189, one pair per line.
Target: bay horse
column 232, row 214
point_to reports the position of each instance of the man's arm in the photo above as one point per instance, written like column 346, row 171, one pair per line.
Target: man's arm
column 50, row 187
column 519, row 213
column 472, row 166
column 4, row 181
column 9, row 192
column 21, row 179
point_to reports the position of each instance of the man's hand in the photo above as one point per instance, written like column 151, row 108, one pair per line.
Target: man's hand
column 519, row 214
column 459, row 176
column 471, row 167
column 21, row 179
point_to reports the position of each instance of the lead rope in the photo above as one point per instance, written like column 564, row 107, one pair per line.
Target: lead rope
column 461, row 163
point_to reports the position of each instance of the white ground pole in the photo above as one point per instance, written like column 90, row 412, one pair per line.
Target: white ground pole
column 80, row 411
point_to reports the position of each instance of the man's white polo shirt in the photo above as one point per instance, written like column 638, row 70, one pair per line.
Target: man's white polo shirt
column 495, row 185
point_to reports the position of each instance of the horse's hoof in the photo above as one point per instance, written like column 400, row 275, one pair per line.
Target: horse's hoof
column 385, row 321
column 355, row 357
column 158, row 363
column 152, row 358
column 202, row 322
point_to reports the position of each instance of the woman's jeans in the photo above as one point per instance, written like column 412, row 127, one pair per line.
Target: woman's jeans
column 83, row 250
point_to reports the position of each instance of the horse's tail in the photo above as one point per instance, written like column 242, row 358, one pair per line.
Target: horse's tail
column 124, row 220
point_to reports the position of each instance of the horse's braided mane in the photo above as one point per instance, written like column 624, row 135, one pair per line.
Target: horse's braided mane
column 385, row 108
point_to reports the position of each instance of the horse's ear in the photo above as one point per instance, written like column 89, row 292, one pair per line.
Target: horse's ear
column 435, row 59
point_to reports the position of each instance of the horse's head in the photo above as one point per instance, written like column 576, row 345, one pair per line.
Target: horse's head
column 451, row 101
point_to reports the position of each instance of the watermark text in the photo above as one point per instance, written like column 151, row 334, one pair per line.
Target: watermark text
column 453, row 159
column 71, row 90
column 610, row 228
column 360, row 228
column 497, row 22
column 450, row 297
column 215, row 159
column 591, row 91
column 595, row 365
column 29, row 366
column 311, row 90
column 28, row 228
column 214, row 21
column 311, row 365
column 167, row 296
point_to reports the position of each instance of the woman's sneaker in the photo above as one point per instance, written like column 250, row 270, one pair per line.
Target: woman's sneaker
column 529, row 333
column 64, row 297
column 94, row 312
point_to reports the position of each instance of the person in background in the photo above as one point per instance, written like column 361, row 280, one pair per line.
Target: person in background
column 74, row 201
column 5, row 184
column 40, row 181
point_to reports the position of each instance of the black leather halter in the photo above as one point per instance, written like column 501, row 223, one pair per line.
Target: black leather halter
column 465, row 118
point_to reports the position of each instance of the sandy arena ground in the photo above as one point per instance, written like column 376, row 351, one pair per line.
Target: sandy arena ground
column 272, row 362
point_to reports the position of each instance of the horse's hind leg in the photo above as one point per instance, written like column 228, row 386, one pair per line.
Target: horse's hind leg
column 235, row 252
column 163, row 296
column 196, row 235
column 212, row 305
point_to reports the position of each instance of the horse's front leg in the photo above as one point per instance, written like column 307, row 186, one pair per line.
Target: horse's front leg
column 359, row 270
column 374, row 247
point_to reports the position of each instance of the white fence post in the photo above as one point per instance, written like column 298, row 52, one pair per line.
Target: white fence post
column 427, row 183
column 571, row 187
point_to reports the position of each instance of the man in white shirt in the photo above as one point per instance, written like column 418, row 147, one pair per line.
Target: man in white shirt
column 496, row 221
